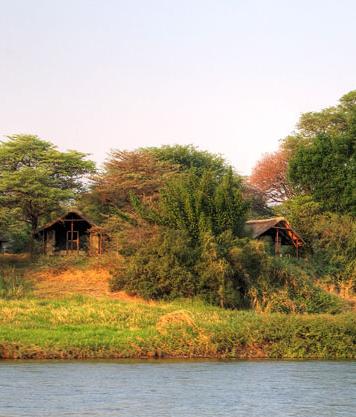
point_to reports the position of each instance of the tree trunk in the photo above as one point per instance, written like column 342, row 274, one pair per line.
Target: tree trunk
column 34, row 225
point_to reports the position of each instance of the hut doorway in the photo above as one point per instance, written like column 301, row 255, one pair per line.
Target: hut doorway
column 73, row 241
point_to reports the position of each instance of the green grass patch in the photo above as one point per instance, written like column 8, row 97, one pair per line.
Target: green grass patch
column 83, row 327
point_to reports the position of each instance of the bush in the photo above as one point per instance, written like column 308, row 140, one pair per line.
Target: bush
column 287, row 286
column 330, row 240
column 161, row 269
column 225, row 271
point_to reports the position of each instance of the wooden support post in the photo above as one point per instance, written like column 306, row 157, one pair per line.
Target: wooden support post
column 276, row 244
column 71, row 235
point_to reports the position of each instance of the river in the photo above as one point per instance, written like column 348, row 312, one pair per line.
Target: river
column 178, row 389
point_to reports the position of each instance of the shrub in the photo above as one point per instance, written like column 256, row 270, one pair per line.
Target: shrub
column 225, row 271
column 330, row 240
column 162, row 268
column 287, row 286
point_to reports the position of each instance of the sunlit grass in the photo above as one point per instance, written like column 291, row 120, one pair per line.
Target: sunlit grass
column 84, row 327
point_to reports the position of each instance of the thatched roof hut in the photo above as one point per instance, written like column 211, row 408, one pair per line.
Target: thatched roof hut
column 72, row 232
column 278, row 229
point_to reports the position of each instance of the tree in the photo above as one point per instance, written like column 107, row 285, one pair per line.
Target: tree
column 197, row 204
column 318, row 159
column 326, row 169
column 332, row 121
column 187, row 157
column 270, row 176
column 36, row 178
column 124, row 173
column 15, row 231
column 323, row 164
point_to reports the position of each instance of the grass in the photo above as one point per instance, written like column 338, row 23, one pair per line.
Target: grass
column 85, row 327
column 12, row 283
column 63, row 309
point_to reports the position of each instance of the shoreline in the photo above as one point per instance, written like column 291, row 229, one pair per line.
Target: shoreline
column 144, row 361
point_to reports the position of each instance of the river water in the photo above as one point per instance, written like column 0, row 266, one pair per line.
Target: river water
column 178, row 389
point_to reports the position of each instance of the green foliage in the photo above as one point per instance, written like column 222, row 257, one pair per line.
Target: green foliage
column 188, row 157
column 162, row 269
column 223, row 270
column 334, row 248
column 322, row 161
column 326, row 169
column 36, row 178
column 199, row 252
column 14, row 230
column 196, row 204
column 330, row 239
column 200, row 215
column 287, row 286
column 215, row 272
column 301, row 212
column 332, row 121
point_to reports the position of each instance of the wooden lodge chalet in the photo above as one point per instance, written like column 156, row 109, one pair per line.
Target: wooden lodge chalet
column 70, row 234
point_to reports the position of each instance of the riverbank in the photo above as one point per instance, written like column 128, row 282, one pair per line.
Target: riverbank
column 83, row 327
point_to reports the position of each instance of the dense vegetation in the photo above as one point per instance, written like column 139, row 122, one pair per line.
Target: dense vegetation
column 316, row 187
column 176, row 214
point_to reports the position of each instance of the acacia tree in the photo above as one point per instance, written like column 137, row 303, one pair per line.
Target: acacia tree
column 270, row 176
column 143, row 172
column 36, row 178
column 187, row 157
column 128, row 172
column 332, row 121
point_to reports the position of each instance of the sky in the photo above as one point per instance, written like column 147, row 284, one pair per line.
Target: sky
column 229, row 76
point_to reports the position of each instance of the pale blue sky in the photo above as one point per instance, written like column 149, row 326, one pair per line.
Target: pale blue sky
column 229, row 76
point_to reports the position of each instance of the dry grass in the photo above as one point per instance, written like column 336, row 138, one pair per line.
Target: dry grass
column 345, row 291
column 13, row 258
column 90, row 281
column 175, row 319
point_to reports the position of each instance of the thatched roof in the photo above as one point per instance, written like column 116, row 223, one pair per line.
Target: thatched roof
column 62, row 218
column 258, row 228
